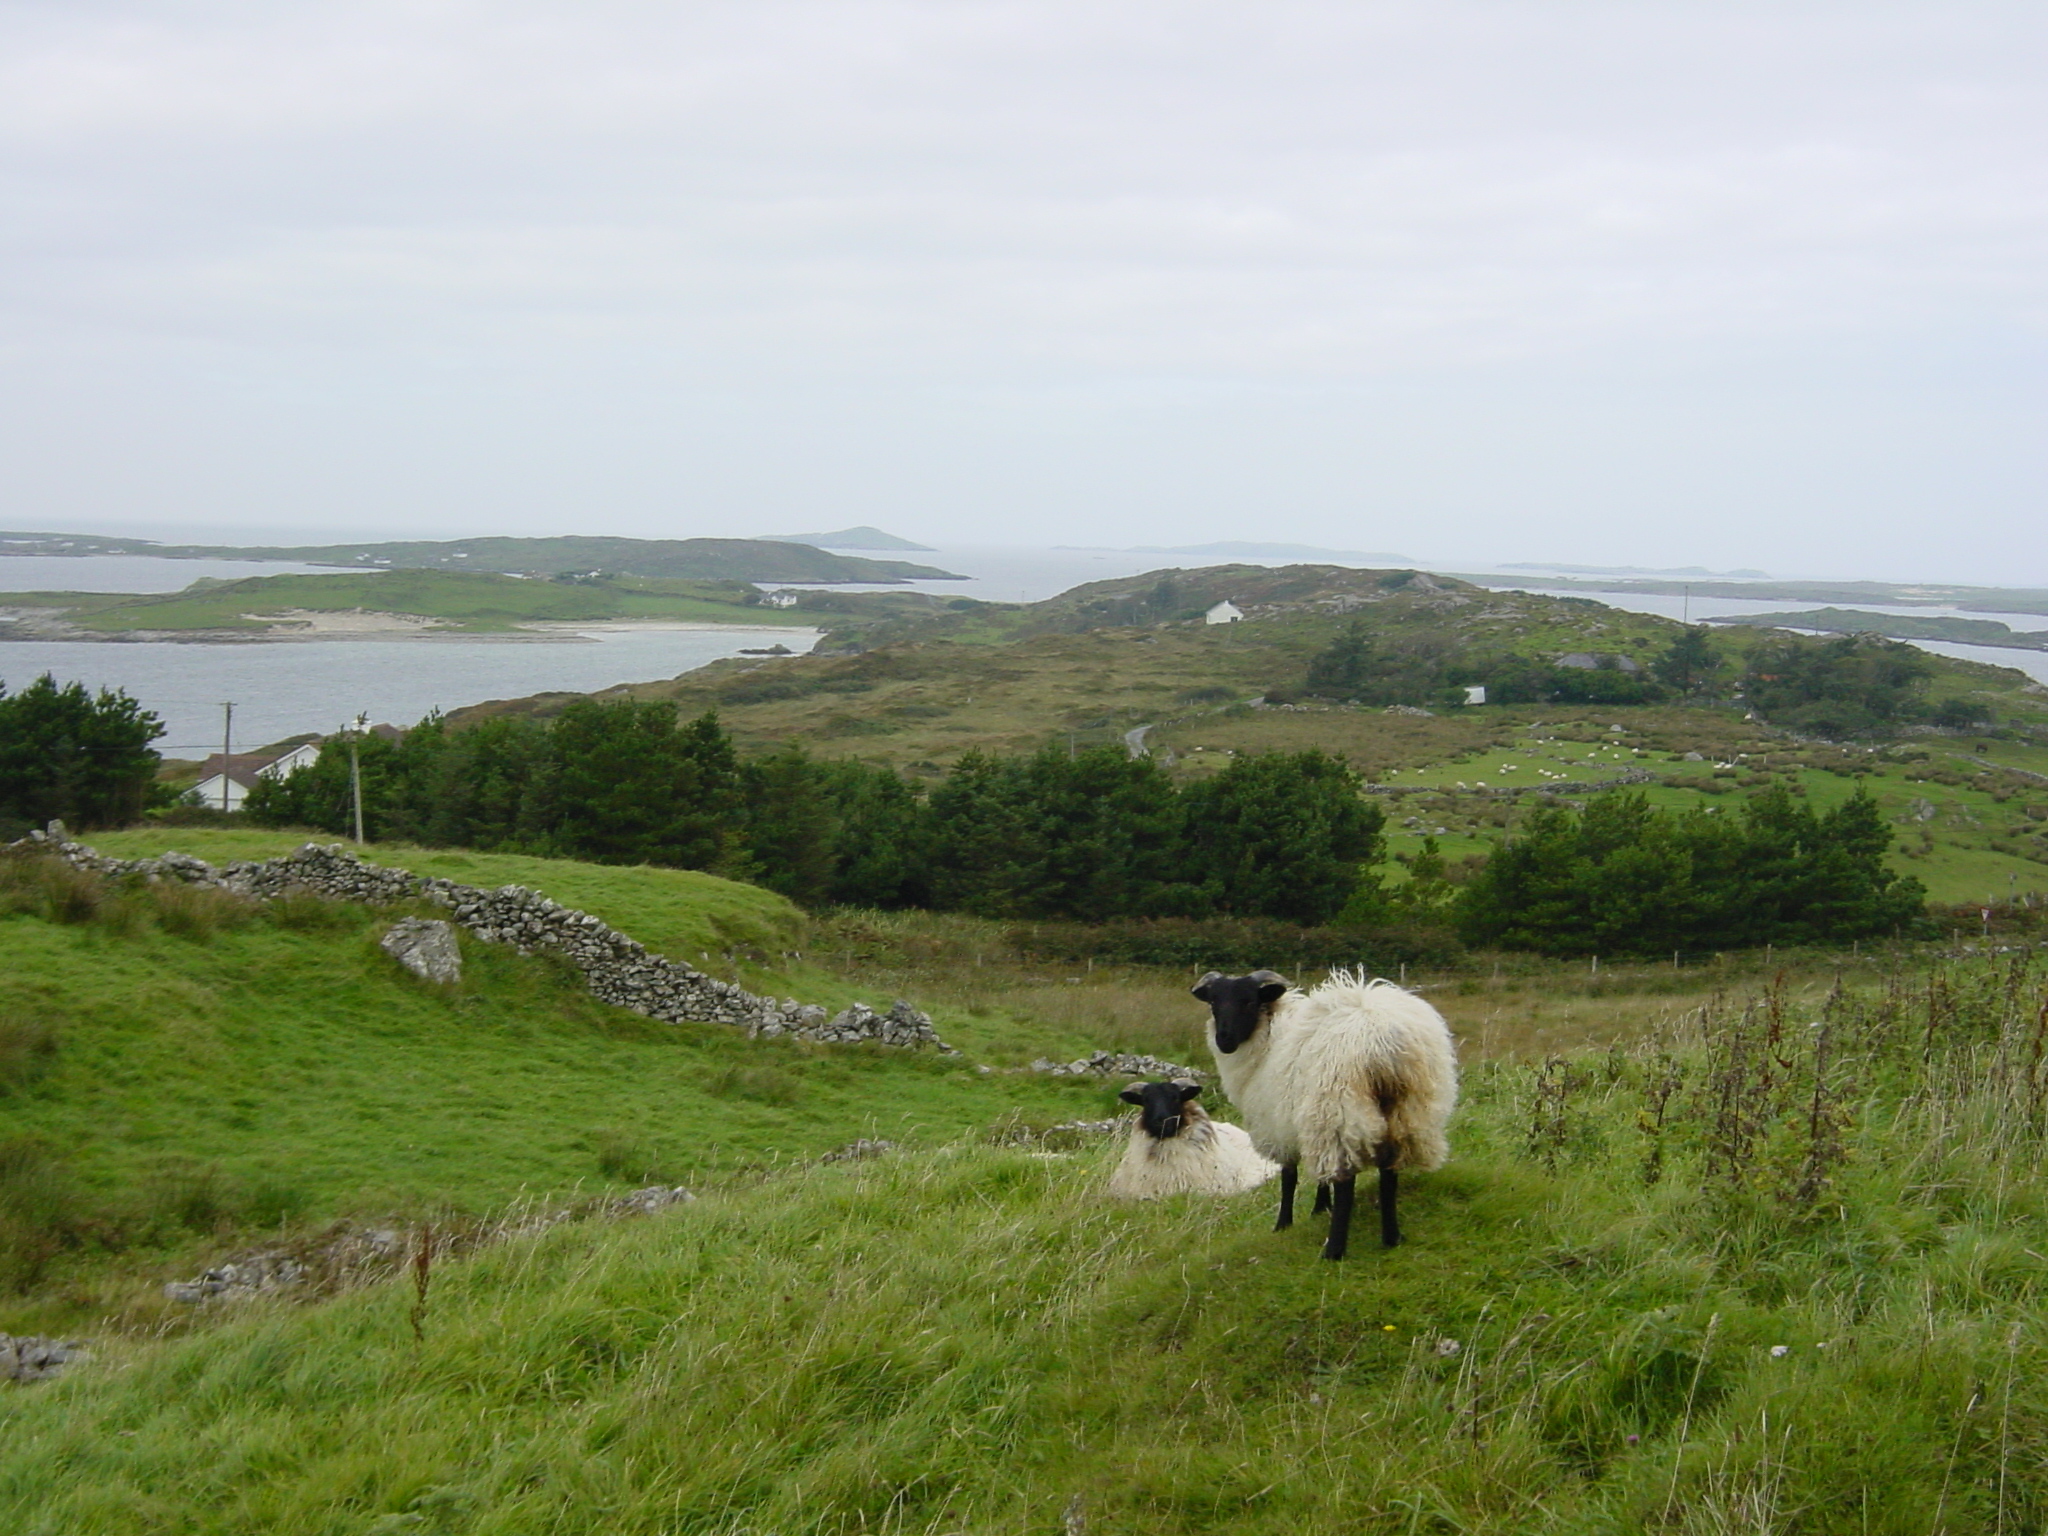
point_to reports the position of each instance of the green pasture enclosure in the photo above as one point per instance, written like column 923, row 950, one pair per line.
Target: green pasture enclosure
column 177, row 1065
column 683, row 913
column 1782, row 1274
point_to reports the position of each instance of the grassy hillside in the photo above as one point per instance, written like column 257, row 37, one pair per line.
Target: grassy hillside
column 177, row 1066
column 1101, row 662
column 1782, row 1274
column 682, row 913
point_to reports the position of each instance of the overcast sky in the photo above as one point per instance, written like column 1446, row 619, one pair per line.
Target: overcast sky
column 1655, row 283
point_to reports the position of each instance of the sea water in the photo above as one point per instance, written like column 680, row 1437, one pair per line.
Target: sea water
column 287, row 688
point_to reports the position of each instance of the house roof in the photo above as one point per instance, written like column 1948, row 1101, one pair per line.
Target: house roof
column 243, row 768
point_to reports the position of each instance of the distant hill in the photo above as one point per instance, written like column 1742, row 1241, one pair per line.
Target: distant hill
column 1851, row 621
column 695, row 559
column 1629, row 570
column 1239, row 550
column 1889, row 593
column 862, row 537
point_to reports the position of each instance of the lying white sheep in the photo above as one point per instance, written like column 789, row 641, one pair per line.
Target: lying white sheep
column 1353, row 1075
column 1176, row 1149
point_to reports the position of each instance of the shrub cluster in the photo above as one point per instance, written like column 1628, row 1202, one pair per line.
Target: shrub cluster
column 1621, row 878
column 66, row 753
column 1843, row 685
column 1092, row 835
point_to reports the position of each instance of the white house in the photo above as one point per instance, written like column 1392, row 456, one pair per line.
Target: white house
column 779, row 600
column 241, row 772
column 1225, row 612
column 1476, row 694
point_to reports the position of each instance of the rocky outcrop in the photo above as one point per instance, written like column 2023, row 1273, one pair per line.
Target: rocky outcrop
column 619, row 970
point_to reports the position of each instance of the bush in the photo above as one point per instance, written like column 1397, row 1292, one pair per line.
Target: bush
column 67, row 754
column 198, row 912
column 44, row 886
column 1620, row 878
column 1844, row 686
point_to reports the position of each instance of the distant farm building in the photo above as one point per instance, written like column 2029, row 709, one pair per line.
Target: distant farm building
column 1586, row 661
column 779, row 600
column 224, row 782
column 1225, row 612
column 1476, row 694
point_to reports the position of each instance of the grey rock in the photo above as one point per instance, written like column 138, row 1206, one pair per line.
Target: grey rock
column 656, row 1197
column 425, row 946
column 859, row 1151
column 35, row 1359
column 1119, row 1064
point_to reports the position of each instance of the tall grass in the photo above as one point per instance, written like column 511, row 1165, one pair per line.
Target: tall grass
column 1779, row 1270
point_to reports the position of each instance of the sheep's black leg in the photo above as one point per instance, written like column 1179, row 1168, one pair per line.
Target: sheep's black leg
column 1287, row 1177
column 1390, row 1177
column 1322, row 1200
column 1340, row 1217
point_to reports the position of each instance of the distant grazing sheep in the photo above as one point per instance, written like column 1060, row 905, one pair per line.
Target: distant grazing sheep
column 1353, row 1075
column 1176, row 1149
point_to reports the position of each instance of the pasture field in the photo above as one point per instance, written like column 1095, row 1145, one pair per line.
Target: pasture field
column 178, row 1068
column 1776, row 1268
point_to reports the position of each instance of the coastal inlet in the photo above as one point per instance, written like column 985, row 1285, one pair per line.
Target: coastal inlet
column 282, row 690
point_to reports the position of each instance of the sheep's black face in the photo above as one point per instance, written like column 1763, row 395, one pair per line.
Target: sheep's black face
column 1238, row 1004
column 1161, row 1106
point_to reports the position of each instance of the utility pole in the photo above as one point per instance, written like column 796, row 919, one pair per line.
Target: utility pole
column 355, row 770
column 227, row 747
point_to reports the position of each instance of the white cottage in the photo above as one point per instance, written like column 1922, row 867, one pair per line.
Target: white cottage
column 242, row 770
column 1225, row 612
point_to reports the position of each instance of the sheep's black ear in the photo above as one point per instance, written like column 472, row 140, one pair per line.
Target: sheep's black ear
column 1272, row 985
column 1134, row 1094
column 1201, row 988
column 1188, row 1091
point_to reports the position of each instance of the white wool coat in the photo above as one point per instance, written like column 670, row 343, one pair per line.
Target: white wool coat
column 1206, row 1158
column 1334, row 1072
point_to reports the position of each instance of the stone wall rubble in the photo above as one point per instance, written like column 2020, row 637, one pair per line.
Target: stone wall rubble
column 619, row 970
column 34, row 1359
column 1119, row 1064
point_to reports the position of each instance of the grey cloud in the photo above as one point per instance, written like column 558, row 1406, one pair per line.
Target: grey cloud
column 1157, row 267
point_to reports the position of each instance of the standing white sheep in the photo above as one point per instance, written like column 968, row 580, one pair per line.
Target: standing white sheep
column 1352, row 1075
column 1176, row 1149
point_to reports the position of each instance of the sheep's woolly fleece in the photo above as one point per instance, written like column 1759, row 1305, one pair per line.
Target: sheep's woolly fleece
column 1335, row 1072
column 1208, row 1157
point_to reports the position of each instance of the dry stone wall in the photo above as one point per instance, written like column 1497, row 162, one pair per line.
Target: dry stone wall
column 619, row 970
column 35, row 1359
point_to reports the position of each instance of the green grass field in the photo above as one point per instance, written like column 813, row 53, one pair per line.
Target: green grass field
column 1778, row 1271
column 165, row 1053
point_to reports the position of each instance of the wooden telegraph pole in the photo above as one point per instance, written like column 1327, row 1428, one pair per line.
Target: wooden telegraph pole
column 227, row 748
column 355, row 771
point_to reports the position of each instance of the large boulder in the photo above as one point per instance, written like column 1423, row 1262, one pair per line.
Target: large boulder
column 425, row 946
